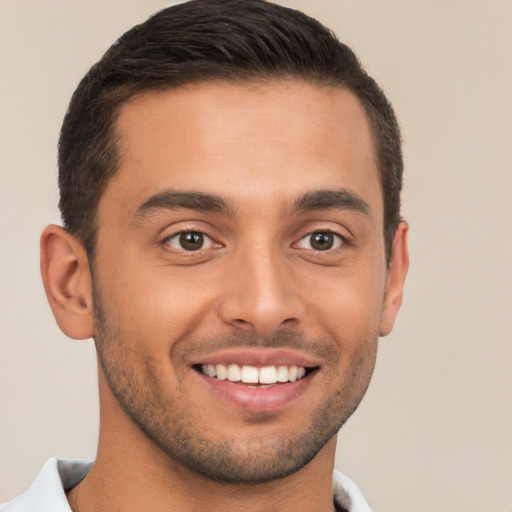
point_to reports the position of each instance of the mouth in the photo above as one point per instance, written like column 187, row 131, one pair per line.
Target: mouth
column 254, row 376
column 255, row 380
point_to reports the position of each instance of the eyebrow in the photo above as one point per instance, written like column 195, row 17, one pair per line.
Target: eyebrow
column 175, row 199
column 341, row 199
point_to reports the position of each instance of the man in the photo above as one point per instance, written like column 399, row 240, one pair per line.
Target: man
column 230, row 187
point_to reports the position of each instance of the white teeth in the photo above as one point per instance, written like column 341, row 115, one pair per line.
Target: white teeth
column 249, row 374
column 254, row 375
column 222, row 372
column 234, row 373
column 268, row 375
column 282, row 374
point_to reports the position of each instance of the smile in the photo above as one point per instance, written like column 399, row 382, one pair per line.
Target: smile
column 253, row 374
column 256, row 380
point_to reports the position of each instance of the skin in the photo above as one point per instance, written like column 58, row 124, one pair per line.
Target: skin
column 256, row 286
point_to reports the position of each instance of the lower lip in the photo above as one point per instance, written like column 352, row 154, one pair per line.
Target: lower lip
column 258, row 398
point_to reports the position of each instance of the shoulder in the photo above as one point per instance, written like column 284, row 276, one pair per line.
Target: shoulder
column 48, row 492
column 347, row 495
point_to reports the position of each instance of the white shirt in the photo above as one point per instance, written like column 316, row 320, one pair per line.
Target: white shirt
column 48, row 492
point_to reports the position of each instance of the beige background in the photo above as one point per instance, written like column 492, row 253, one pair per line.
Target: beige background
column 435, row 431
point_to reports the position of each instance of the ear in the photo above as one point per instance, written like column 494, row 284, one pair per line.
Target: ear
column 397, row 271
column 67, row 282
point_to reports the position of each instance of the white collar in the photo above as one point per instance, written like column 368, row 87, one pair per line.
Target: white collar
column 48, row 492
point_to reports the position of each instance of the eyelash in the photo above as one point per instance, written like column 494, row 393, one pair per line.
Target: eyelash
column 339, row 241
column 342, row 241
column 179, row 234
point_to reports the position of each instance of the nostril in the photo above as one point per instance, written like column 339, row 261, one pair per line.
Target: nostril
column 242, row 324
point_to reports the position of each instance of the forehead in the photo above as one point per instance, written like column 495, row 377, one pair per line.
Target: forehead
column 269, row 140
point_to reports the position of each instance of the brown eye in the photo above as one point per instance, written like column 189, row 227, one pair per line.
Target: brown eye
column 321, row 241
column 189, row 241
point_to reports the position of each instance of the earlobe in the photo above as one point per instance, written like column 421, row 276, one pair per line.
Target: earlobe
column 67, row 282
column 397, row 272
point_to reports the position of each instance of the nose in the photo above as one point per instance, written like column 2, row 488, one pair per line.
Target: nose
column 260, row 294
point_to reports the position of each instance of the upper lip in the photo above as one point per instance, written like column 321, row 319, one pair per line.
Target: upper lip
column 257, row 357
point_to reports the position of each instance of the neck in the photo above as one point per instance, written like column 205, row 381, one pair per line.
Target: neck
column 131, row 484
column 131, row 474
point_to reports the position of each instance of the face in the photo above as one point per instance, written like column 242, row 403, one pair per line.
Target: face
column 240, row 273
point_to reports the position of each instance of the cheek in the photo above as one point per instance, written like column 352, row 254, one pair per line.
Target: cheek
column 154, row 307
column 349, row 304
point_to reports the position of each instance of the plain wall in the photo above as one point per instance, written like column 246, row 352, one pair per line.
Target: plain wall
column 435, row 430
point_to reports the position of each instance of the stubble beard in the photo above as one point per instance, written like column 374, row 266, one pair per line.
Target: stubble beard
column 183, row 436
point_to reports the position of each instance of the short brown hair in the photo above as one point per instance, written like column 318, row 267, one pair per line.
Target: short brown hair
column 201, row 40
